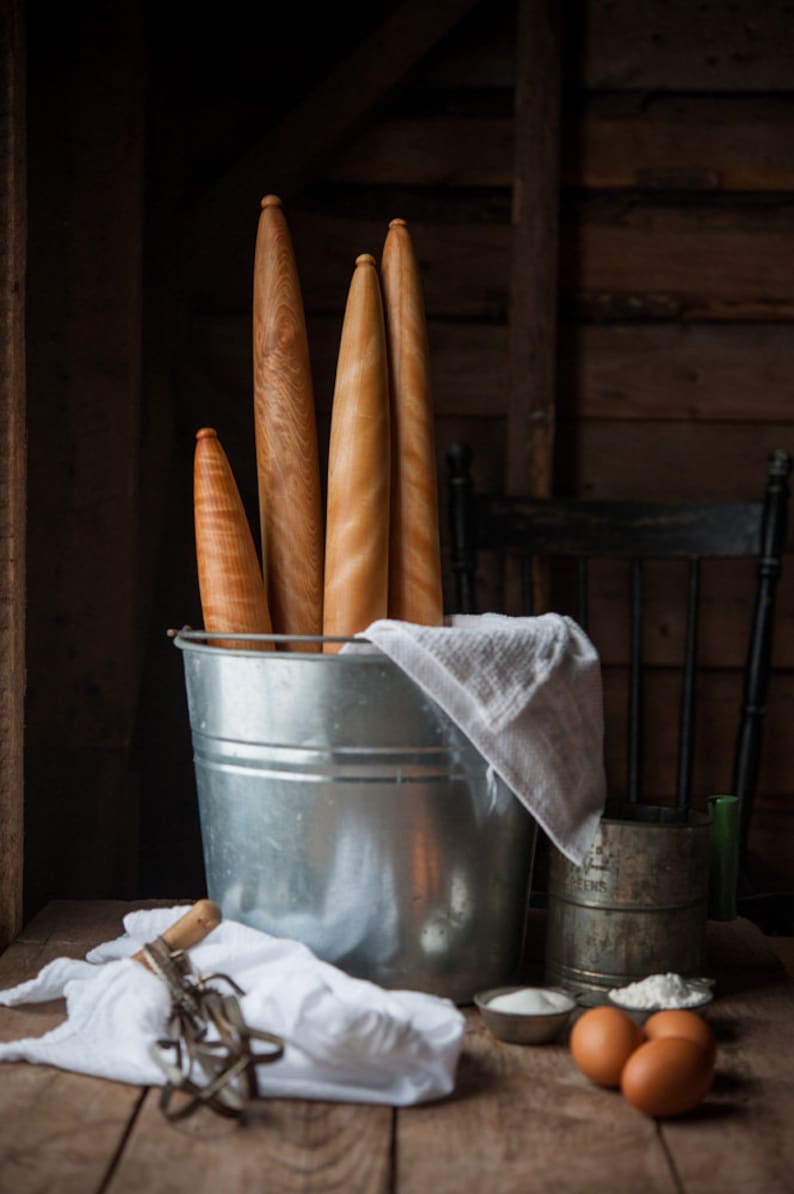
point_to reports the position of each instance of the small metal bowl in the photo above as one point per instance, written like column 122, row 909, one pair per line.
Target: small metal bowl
column 524, row 1028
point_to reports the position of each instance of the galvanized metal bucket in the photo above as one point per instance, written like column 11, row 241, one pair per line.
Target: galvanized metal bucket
column 341, row 807
column 636, row 906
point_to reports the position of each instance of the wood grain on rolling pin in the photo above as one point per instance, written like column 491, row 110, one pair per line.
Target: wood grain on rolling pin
column 357, row 524
column 415, row 552
column 290, row 507
column 230, row 581
column 197, row 923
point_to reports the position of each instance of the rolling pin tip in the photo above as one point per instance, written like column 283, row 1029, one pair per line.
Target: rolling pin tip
column 365, row 259
column 207, row 433
column 270, row 201
column 397, row 223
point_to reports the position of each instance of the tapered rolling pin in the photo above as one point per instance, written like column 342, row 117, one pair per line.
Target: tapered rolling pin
column 230, row 581
column 415, row 553
column 290, row 506
column 197, row 923
column 357, row 523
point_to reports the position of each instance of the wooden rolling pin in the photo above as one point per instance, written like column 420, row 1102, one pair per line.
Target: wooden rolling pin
column 415, row 593
column 230, row 581
column 290, row 506
column 197, row 923
column 357, row 523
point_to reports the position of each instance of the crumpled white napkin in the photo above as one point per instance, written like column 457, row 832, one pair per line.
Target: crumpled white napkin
column 347, row 1040
column 527, row 692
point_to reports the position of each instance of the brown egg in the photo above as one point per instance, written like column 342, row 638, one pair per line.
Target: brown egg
column 687, row 1025
column 667, row 1076
column 601, row 1040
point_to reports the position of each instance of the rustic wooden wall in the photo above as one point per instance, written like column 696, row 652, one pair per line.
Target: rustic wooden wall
column 674, row 347
column 12, row 463
column 85, row 169
column 676, row 336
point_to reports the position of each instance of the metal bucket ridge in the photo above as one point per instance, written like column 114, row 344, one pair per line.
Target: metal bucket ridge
column 341, row 807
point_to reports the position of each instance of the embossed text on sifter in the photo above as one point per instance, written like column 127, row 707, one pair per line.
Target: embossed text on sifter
column 637, row 905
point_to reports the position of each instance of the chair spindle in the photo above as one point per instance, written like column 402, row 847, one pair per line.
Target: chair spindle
column 686, row 737
column 463, row 557
column 634, row 783
column 583, row 598
column 759, row 656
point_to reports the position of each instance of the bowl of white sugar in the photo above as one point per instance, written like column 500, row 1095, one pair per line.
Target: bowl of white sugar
column 525, row 1015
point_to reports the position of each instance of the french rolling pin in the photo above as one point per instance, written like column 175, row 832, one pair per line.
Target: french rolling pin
column 357, row 521
column 288, row 471
column 197, row 923
column 415, row 593
column 230, row 581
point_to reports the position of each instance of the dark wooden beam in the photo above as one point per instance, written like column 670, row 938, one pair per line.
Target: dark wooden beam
column 287, row 155
column 533, row 305
column 12, row 464
column 533, row 275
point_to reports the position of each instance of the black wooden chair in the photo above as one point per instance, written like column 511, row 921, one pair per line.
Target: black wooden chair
column 637, row 532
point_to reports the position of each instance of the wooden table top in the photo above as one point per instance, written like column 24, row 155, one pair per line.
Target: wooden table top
column 520, row 1119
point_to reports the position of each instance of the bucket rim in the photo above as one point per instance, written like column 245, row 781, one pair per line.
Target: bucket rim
column 655, row 816
column 186, row 638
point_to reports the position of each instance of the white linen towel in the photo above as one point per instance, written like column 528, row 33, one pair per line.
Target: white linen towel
column 347, row 1040
column 527, row 692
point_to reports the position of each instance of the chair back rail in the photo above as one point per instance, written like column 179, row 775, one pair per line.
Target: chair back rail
column 636, row 532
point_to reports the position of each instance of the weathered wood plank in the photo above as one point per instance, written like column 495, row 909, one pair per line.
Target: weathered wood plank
column 285, row 159
column 86, row 124
column 694, row 372
column 614, row 141
column 12, row 463
column 678, row 143
column 453, row 261
column 751, row 1093
column 626, row 258
column 622, row 259
column 481, row 52
column 669, row 372
column 655, row 45
column 429, row 151
column 58, row 1130
column 511, row 1109
column 219, row 390
column 524, row 1118
column 468, row 362
column 283, row 1147
column 666, row 461
column 673, row 45
column 72, row 927
column 66, row 1128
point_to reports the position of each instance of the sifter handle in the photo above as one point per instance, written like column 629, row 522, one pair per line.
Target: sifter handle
column 197, row 923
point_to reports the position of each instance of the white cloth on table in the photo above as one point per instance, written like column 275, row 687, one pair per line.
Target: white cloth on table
column 527, row 693
column 347, row 1040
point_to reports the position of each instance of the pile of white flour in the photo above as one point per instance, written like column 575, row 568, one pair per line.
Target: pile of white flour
column 658, row 990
